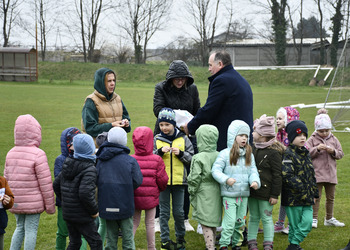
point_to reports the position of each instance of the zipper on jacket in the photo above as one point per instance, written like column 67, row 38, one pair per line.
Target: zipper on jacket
column 171, row 163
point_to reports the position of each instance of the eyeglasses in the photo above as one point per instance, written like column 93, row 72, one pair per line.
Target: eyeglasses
column 182, row 79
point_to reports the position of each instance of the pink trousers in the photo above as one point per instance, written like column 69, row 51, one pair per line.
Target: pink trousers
column 149, row 222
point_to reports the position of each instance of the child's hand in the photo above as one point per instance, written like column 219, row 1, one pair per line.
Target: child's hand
column 321, row 147
column 254, row 185
column 273, row 201
column 330, row 150
column 166, row 149
column 230, row 181
column 6, row 199
column 176, row 151
column 95, row 215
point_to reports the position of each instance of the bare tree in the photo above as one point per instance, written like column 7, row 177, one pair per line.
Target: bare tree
column 141, row 20
column 297, row 46
column 204, row 14
column 337, row 20
column 322, row 45
column 9, row 11
column 44, row 13
column 89, row 13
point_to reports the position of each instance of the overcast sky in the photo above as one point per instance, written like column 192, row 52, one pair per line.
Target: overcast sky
column 178, row 23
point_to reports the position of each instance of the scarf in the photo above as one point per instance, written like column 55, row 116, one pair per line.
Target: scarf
column 265, row 144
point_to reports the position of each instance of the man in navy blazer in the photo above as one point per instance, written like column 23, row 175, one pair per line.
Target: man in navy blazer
column 229, row 98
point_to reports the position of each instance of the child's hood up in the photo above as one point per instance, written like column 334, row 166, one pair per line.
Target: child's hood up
column 237, row 127
column 66, row 139
column 207, row 137
column 27, row 131
column 143, row 141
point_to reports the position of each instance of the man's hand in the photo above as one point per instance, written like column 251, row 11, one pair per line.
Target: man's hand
column 185, row 129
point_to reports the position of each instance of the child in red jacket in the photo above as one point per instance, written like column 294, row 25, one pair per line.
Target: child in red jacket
column 154, row 181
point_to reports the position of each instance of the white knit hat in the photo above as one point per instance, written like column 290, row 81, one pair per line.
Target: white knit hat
column 117, row 135
column 322, row 120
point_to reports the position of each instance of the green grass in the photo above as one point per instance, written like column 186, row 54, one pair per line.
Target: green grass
column 57, row 99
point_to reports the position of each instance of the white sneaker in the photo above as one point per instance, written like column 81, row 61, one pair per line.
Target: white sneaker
column 188, row 226
column 314, row 223
column 199, row 229
column 285, row 230
column 218, row 229
column 156, row 225
column 333, row 222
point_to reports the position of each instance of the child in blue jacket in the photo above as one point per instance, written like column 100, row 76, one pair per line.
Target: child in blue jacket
column 235, row 170
column 119, row 175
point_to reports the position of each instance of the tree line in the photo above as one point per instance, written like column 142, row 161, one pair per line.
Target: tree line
column 92, row 23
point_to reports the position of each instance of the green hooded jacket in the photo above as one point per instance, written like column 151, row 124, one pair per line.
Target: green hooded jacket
column 90, row 114
column 204, row 191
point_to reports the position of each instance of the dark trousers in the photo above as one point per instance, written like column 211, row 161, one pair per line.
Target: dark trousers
column 88, row 230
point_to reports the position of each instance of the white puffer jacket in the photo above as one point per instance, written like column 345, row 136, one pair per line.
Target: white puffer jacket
column 27, row 170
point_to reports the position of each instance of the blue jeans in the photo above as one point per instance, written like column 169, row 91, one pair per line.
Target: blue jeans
column 177, row 193
column 26, row 228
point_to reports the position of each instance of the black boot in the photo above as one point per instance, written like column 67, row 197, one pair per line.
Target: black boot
column 347, row 246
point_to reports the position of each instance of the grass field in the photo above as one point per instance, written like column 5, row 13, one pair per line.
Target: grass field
column 57, row 102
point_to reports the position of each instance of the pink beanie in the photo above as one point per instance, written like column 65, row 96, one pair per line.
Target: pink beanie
column 265, row 125
column 322, row 120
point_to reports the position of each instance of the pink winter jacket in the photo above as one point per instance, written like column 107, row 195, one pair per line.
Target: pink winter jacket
column 27, row 170
column 324, row 164
column 155, row 178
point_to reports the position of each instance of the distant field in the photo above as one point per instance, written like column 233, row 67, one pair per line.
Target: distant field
column 57, row 99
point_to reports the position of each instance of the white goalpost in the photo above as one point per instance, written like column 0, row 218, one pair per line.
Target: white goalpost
column 337, row 101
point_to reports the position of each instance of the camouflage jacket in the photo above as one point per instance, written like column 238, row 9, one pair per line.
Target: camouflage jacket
column 298, row 178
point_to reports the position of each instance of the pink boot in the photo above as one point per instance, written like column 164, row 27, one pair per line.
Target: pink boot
column 252, row 245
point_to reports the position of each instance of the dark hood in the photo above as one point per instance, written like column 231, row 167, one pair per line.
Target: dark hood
column 179, row 69
column 64, row 140
column 108, row 150
column 99, row 84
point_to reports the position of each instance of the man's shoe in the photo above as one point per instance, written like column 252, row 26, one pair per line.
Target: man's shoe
column 333, row 222
column 180, row 244
column 314, row 223
column 170, row 245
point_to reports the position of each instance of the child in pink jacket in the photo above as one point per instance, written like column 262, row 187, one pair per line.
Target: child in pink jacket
column 28, row 174
column 155, row 180
column 325, row 150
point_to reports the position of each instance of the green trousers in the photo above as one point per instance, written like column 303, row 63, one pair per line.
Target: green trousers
column 260, row 210
column 235, row 212
column 300, row 223
column 126, row 227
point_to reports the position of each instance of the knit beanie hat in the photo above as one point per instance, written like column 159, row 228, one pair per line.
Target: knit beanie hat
column 265, row 125
column 117, row 135
column 289, row 113
column 167, row 115
column 295, row 128
column 84, row 147
column 322, row 120
column 101, row 138
column 69, row 138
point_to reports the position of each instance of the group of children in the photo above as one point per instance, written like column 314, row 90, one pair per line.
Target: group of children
column 223, row 186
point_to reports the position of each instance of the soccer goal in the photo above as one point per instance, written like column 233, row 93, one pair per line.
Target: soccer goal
column 337, row 101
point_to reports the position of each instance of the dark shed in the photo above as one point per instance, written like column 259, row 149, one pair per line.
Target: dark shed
column 18, row 64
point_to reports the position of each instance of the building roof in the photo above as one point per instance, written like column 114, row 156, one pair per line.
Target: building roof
column 16, row 50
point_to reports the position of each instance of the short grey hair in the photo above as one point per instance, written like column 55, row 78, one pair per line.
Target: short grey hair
column 222, row 56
